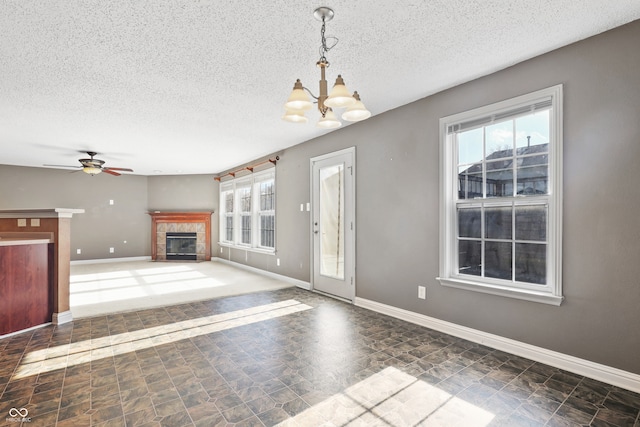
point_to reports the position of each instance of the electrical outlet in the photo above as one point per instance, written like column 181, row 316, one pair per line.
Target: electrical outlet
column 78, row 251
column 278, row 262
column 111, row 250
column 422, row 292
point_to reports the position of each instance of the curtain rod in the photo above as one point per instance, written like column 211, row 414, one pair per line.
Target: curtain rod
column 247, row 168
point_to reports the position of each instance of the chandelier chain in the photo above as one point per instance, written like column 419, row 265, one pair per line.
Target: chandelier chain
column 324, row 48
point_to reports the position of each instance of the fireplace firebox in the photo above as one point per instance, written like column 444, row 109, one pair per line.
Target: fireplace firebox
column 181, row 246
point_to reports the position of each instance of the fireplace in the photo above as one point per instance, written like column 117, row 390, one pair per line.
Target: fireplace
column 180, row 225
column 181, row 246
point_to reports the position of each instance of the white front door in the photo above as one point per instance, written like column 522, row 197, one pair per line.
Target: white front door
column 333, row 223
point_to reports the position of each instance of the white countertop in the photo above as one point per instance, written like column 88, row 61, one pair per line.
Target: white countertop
column 14, row 239
column 39, row 213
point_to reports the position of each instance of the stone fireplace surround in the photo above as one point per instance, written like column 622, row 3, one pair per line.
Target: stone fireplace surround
column 192, row 222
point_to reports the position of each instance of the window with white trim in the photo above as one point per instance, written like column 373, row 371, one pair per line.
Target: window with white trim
column 226, row 214
column 243, row 191
column 266, row 211
column 501, row 198
column 247, row 212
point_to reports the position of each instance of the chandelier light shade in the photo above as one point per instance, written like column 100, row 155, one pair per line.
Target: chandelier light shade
column 295, row 116
column 339, row 96
column 356, row 111
column 300, row 99
column 329, row 120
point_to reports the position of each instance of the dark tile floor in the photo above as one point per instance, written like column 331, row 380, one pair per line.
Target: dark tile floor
column 287, row 357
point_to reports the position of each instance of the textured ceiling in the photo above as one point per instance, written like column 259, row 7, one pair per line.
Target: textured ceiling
column 185, row 87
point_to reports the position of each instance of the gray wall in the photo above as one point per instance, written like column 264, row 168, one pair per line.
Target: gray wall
column 124, row 226
column 198, row 193
column 397, row 204
column 183, row 192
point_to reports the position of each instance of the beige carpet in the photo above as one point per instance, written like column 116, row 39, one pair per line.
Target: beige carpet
column 104, row 288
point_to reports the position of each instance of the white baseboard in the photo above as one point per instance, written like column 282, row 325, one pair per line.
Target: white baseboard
column 296, row 282
column 607, row 374
column 108, row 260
column 60, row 318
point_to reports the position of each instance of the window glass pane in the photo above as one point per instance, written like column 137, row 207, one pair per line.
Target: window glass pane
column 246, row 229
column 469, row 222
column 470, row 146
column 229, row 228
column 332, row 221
column 533, row 175
column 531, row 263
column 267, row 231
column 497, row 260
column 228, row 205
column 245, row 199
column 470, row 181
column 498, row 223
column 470, row 257
column 531, row 223
column 266, row 195
column 536, row 127
column 500, row 178
column 499, row 140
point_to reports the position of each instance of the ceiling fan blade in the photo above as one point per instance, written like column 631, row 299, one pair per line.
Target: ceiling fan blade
column 110, row 172
column 119, row 169
column 63, row 166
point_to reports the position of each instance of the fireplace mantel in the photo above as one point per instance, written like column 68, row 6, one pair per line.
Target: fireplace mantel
column 170, row 218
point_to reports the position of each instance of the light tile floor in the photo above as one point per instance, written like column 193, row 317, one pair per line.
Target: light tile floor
column 285, row 357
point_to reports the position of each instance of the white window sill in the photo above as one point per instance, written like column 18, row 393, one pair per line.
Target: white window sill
column 248, row 248
column 523, row 294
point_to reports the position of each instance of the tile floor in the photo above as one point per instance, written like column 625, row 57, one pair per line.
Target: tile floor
column 285, row 357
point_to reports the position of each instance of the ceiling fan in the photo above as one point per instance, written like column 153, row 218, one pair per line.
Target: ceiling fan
column 94, row 166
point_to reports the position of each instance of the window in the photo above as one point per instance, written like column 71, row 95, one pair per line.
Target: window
column 227, row 215
column 267, row 212
column 247, row 214
column 243, row 190
column 501, row 198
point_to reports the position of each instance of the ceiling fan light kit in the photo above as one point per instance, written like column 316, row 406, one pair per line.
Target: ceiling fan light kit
column 91, row 170
column 300, row 99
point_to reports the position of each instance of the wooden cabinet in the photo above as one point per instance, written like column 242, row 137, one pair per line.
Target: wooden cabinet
column 26, row 288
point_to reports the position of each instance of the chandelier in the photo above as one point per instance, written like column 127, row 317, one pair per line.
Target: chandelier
column 339, row 97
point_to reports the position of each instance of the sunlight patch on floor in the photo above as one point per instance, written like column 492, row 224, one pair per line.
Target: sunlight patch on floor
column 115, row 286
column 394, row 398
column 59, row 357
